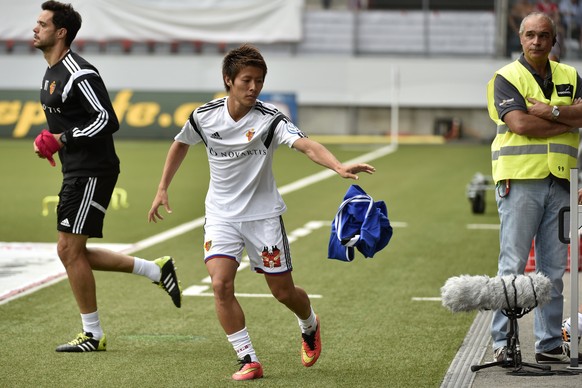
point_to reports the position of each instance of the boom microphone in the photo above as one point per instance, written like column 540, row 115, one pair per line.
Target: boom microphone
column 467, row 293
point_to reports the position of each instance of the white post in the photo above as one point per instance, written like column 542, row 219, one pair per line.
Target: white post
column 394, row 117
column 574, row 259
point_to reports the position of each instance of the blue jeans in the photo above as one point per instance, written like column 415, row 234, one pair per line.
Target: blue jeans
column 529, row 210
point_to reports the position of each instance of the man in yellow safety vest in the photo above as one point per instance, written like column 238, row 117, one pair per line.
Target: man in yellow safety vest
column 537, row 106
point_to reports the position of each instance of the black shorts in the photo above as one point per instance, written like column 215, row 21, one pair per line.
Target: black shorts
column 83, row 202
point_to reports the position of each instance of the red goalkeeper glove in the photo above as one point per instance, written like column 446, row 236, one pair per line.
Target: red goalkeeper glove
column 47, row 145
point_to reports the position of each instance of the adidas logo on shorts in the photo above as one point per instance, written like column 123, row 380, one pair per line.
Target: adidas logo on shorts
column 65, row 222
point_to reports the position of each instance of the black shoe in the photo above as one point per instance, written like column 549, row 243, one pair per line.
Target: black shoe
column 83, row 343
column 169, row 281
column 558, row 355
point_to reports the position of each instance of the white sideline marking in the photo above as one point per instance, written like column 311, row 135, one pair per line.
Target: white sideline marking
column 315, row 178
column 27, row 267
column 426, row 299
column 28, row 287
column 195, row 290
column 484, row 226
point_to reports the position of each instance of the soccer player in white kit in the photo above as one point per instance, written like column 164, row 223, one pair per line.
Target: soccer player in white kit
column 243, row 205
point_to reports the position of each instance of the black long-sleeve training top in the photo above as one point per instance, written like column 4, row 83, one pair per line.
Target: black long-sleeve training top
column 77, row 104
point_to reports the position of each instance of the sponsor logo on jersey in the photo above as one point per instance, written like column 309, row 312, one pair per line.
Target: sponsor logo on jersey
column 250, row 133
column 236, row 154
column 216, row 135
column 506, row 102
column 271, row 257
column 50, row 109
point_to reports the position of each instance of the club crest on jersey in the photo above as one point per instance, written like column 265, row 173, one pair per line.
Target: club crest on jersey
column 208, row 245
column 52, row 87
column 271, row 257
column 250, row 133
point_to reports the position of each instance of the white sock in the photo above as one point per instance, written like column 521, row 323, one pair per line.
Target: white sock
column 241, row 343
column 308, row 325
column 91, row 324
column 147, row 268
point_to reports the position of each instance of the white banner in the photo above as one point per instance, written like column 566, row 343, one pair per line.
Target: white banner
column 217, row 21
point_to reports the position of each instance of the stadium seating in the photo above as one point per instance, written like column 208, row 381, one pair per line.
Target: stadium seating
column 333, row 31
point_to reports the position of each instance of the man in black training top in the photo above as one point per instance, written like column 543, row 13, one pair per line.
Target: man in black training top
column 81, row 124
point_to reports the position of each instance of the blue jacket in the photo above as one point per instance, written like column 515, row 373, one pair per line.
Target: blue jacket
column 359, row 223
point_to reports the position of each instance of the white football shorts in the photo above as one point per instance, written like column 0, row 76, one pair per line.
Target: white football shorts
column 264, row 240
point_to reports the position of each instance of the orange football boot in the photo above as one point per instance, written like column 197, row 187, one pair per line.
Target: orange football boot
column 249, row 370
column 311, row 346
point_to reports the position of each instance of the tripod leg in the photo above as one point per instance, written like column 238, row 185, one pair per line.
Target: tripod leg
column 503, row 364
column 537, row 366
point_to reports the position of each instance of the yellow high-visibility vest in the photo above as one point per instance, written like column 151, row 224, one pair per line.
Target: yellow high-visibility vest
column 522, row 157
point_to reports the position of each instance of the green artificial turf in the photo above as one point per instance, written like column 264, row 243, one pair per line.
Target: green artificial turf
column 374, row 332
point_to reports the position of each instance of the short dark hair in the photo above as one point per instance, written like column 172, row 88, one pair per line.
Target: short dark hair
column 239, row 58
column 64, row 16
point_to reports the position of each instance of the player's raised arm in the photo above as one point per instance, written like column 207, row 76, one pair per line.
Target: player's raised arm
column 321, row 155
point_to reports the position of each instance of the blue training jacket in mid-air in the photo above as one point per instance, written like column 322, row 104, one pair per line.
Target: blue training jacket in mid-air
column 359, row 223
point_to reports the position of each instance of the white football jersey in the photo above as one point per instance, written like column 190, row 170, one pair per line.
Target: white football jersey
column 240, row 155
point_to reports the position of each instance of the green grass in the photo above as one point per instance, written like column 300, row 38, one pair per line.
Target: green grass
column 373, row 334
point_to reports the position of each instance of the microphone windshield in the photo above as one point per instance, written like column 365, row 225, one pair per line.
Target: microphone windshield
column 467, row 293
